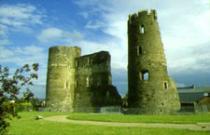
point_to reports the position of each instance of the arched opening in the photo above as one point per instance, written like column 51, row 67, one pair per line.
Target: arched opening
column 141, row 29
column 144, row 75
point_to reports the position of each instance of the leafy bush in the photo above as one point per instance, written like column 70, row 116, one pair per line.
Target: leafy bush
column 10, row 85
column 24, row 106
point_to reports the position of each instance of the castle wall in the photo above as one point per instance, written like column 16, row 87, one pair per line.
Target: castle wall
column 150, row 88
column 61, row 78
column 94, row 84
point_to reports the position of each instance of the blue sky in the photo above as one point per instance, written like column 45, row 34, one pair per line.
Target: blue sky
column 29, row 27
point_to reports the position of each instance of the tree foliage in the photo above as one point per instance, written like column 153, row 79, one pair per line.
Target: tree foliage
column 10, row 85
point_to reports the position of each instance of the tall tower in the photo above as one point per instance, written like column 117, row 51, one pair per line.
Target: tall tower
column 150, row 89
column 61, row 80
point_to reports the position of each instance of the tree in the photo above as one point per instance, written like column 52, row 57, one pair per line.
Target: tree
column 28, row 95
column 10, row 85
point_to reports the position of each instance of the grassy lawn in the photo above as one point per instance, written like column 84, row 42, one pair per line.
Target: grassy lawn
column 27, row 125
column 187, row 118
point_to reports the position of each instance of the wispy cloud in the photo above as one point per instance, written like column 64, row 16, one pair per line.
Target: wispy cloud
column 5, row 54
column 184, row 27
column 4, row 42
column 94, row 24
column 13, row 17
column 18, row 17
column 19, row 56
column 55, row 34
column 185, row 30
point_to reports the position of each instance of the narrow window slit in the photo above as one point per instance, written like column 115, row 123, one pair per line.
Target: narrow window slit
column 87, row 82
column 139, row 50
column 165, row 85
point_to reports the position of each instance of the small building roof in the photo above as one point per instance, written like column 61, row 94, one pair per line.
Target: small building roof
column 193, row 89
column 193, row 94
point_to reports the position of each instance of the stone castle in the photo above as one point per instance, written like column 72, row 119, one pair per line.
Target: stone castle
column 84, row 83
column 79, row 83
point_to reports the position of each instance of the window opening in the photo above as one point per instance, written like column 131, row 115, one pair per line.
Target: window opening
column 141, row 28
column 139, row 50
column 165, row 85
column 87, row 82
column 144, row 75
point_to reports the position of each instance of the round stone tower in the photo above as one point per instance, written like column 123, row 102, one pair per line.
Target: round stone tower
column 61, row 77
column 150, row 89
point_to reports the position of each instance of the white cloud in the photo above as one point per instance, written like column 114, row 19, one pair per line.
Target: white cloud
column 85, row 3
column 5, row 53
column 50, row 34
column 4, row 42
column 205, row 2
column 94, row 25
column 19, row 56
column 55, row 34
column 19, row 16
column 29, row 50
column 184, row 25
column 2, row 32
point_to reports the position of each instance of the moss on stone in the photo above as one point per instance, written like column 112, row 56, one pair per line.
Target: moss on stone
column 150, row 88
column 60, row 77
column 93, row 82
column 79, row 83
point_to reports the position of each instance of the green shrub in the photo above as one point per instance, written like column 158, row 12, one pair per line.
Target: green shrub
column 24, row 106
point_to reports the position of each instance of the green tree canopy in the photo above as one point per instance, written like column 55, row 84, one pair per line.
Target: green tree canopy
column 10, row 85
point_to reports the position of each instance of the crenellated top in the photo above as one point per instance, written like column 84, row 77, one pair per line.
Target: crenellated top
column 142, row 14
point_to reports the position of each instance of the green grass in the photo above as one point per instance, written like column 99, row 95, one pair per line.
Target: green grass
column 187, row 118
column 27, row 125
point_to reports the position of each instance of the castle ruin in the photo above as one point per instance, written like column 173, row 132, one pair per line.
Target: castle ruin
column 84, row 83
column 150, row 89
column 79, row 83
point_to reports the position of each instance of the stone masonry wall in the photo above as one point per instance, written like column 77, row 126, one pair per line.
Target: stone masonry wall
column 150, row 88
column 93, row 82
column 80, row 84
column 61, row 78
